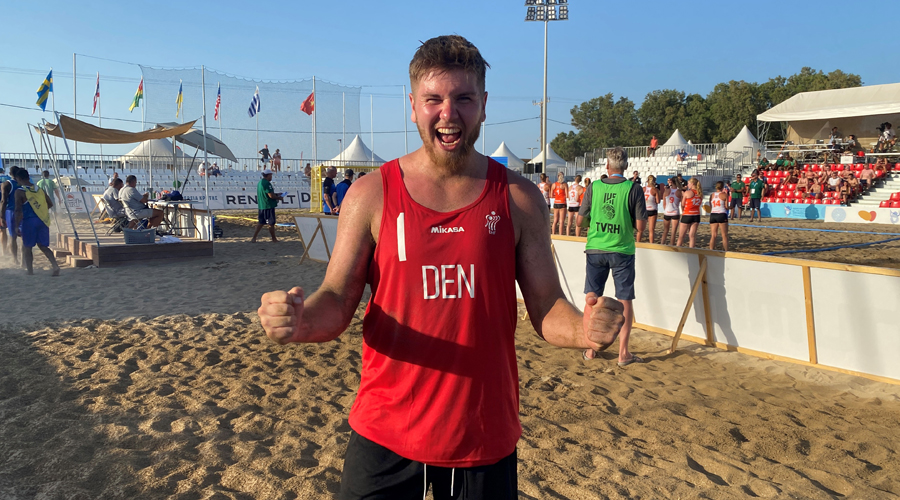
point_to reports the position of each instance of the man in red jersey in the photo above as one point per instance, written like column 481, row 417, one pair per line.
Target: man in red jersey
column 442, row 235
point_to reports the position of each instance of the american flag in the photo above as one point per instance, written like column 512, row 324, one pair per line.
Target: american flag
column 218, row 102
column 254, row 104
column 96, row 95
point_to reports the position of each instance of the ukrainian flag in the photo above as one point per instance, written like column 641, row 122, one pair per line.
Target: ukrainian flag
column 178, row 100
column 44, row 91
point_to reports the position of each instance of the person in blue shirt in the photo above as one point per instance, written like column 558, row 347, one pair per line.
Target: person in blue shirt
column 329, row 202
column 341, row 189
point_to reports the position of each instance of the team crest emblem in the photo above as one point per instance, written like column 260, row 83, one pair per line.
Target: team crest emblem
column 491, row 222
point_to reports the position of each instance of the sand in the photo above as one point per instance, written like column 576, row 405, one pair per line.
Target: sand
column 158, row 382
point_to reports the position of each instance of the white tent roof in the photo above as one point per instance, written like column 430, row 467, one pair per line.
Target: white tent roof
column 357, row 152
column 744, row 143
column 553, row 159
column 158, row 148
column 838, row 103
column 676, row 143
column 513, row 161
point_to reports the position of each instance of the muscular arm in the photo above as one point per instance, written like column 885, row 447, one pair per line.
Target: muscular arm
column 323, row 316
column 554, row 318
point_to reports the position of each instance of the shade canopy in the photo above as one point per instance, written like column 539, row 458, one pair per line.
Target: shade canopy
column 159, row 149
column 354, row 154
column 512, row 161
column 77, row 130
column 675, row 144
column 194, row 139
column 553, row 159
column 837, row 103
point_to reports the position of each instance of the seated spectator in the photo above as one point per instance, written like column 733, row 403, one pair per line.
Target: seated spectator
column 681, row 155
column 867, row 177
column 636, row 177
column 779, row 163
column 114, row 207
column 816, row 190
column 888, row 138
column 846, row 194
column 764, row 163
column 201, row 169
column 855, row 186
column 852, row 145
column 136, row 204
column 834, row 182
column 214, row 170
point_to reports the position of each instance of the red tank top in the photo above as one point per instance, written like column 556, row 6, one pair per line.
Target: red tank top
column 559, row 194
column 439, row 381
column 692, row 205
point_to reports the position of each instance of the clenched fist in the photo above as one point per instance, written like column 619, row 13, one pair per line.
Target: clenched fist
column 280, row 315
column 602, row 320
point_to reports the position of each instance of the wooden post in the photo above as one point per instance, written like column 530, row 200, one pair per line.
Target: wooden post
column 687, row 307
column 325, row 241
column 704, row 291
column 810, row 320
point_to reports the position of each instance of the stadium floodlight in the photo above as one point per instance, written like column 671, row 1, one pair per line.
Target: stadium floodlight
column 545, row 11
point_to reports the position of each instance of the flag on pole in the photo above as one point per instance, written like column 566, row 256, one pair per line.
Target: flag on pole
column 137, row 96
column 96, row 95
column 254, row 104
column 218, row 101
column 178, row 99
column 309, row 105
column 44, row 90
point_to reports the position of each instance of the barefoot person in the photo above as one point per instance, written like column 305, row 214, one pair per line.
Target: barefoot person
column 8, row 206
column 573, row 202
column 558, row 193
column 718, row 216
column 441, row 236
column 610, row 211
column 32, row 217
column 672, row 202
column 690, row 210
column 652, row 198
column 544, row 186
column 266, row 200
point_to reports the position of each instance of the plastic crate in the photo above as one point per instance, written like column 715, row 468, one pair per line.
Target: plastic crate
column 139, row 236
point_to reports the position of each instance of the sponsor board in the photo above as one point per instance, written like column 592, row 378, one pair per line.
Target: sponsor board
column 860, row 215
column 218, row 200
column 792, row 211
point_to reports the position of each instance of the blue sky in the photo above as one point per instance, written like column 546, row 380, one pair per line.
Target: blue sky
column 627, row 48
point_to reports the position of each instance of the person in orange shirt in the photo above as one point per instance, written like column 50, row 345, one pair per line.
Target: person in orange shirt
column 690, row 218
column 558, row 195
column 654, row 145
column 573, row 202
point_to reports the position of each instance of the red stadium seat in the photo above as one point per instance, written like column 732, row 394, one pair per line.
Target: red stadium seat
column 746, row 200
column 779, row 200
column 857, row 174
column 895, row 204
column 885, row 204
column 817, row 168
column 798, row 194
column 779, row 194
column 895, row 197
column 818, row 201
column 806, row 168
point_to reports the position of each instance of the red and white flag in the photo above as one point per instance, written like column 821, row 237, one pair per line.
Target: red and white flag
column 218, row 102
column 96, row 95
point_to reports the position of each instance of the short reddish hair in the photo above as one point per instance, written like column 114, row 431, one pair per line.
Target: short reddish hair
column 446, row 53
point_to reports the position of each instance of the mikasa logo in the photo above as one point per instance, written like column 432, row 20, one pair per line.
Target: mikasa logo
column 441, row 230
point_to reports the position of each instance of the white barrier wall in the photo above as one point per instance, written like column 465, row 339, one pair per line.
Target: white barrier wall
column 317, row 234
column 758, row 304
column 857, row 215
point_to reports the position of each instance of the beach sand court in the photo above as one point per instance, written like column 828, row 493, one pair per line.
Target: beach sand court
column 158, row 382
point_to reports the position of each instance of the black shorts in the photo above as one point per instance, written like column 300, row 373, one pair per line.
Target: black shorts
column 574, row 209
column 737, row 203
column 652, row 213
column 372, row 471
column 690, row 219
column 557, row 206
column 671, row 217
column 755, row 203
column 718, row 218
column 266, row 217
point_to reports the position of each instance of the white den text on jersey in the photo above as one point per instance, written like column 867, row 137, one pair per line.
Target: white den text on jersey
column 448, row 282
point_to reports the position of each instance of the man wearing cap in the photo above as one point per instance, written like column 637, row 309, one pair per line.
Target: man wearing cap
column 341, row 189
column 266, row 200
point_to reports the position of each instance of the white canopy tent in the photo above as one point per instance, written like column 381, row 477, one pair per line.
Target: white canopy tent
column 357, row 153
column 553, row 159
column 811, row 115
column 159, row 149
column 744, row 144
column 512, row 161
column 676, row 143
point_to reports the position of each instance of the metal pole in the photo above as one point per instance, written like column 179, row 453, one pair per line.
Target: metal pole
column 315, row 112
column 257, row 133
column 75, row 102
column 343, row 123
column 53, row 104
column 100, row 124
column 405, row 119
column 33, row 145
column 372, row 125
column 544, row 147
column 209, row 229
column 78, row 182
column 54, row 162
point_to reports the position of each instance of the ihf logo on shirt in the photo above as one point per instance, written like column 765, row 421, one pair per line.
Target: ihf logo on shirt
column 491, row 222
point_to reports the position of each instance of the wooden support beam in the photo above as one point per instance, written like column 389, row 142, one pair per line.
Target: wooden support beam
column 810, row 319
column 687, row 307
column 707, row 312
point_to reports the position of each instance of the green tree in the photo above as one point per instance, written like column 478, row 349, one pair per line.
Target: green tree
column 731, row 106
column 601, row 122
column 661, row 113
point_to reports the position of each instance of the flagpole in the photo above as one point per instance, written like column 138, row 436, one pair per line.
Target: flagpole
column 54, row 163
column 257, row 133
column 343, row 124
column 75, row 102
column 405, row 119
column 142, row 124
column 100, row 123
column 56, row 190
column 149, row 144
column 372, row 124
column 53, row 101
column 209, row 229
column 315, row 112
column 218, row 96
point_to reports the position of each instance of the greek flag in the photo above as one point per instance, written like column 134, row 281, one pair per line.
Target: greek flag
column 254, row 104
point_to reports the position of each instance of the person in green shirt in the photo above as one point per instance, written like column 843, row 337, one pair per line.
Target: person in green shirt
column 266, row 200
column 764, row 162
column 757, row 187
column 49, row 187
column 738, row 190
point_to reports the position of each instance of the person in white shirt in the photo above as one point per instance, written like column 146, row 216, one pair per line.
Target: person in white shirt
column 202, row 169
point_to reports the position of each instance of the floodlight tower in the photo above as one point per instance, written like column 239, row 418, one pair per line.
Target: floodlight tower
column 546, row 11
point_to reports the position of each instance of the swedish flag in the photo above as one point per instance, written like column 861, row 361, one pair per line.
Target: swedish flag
column 44, row 90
